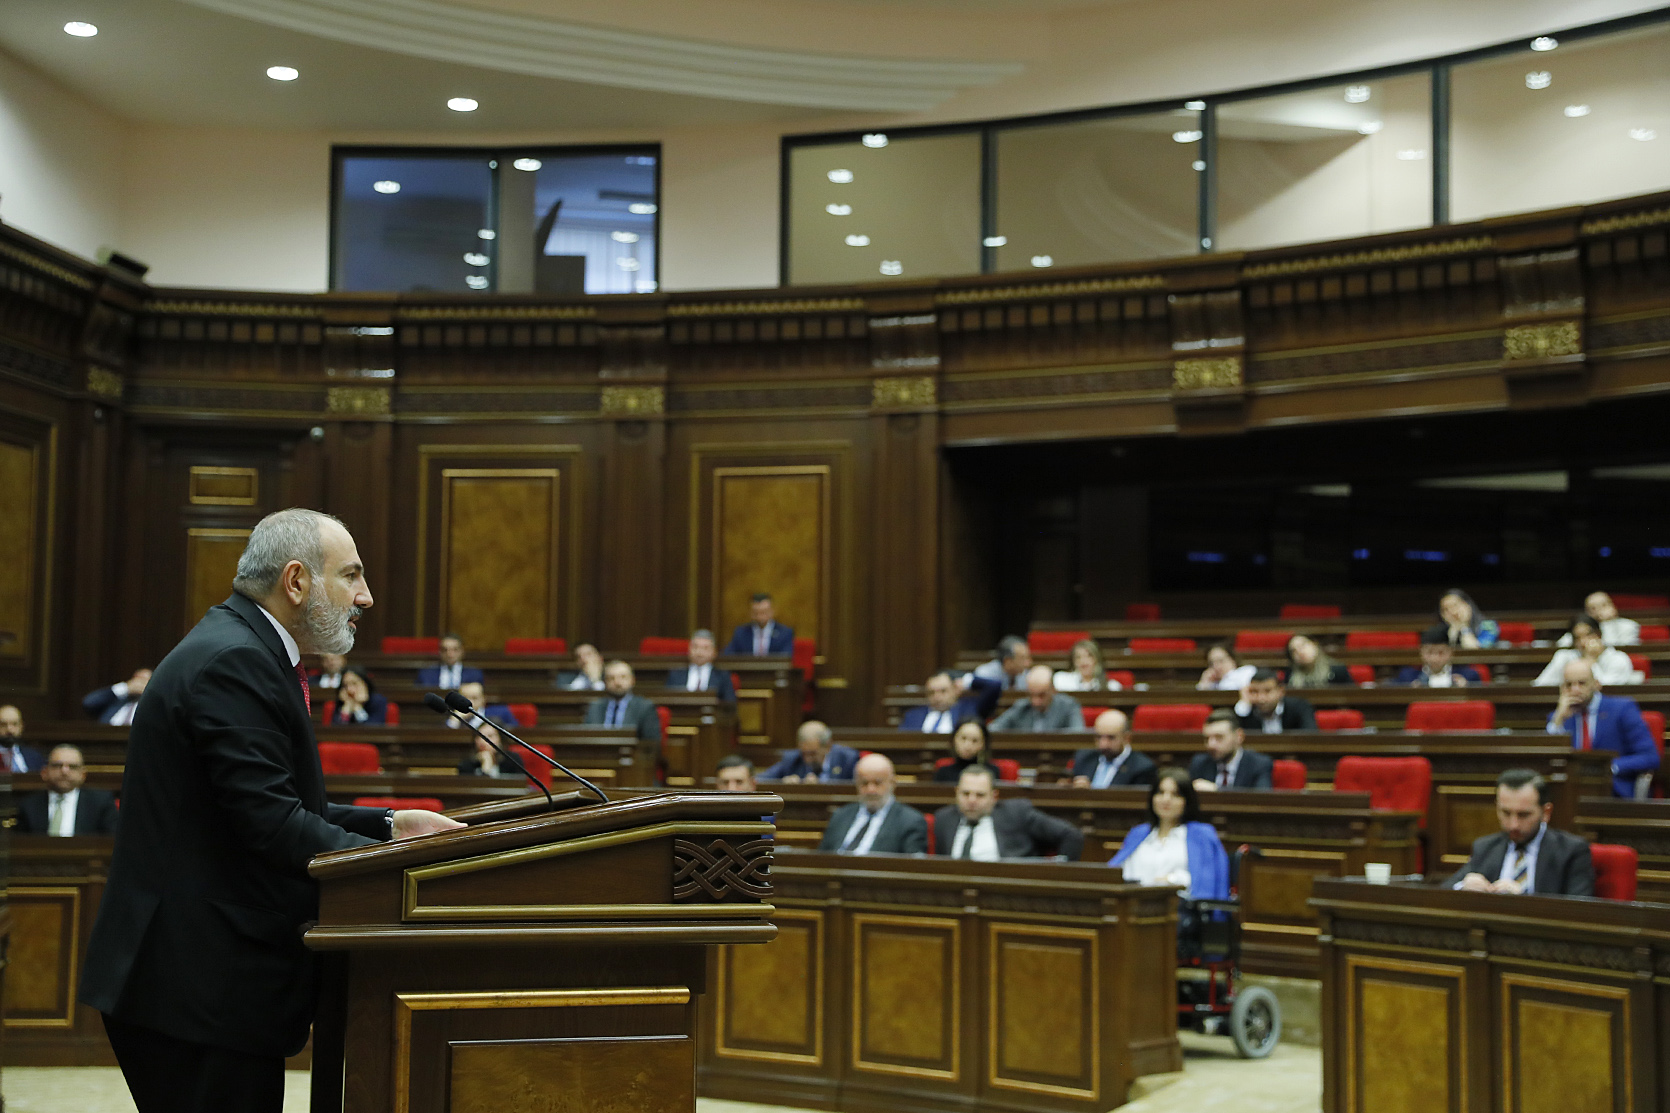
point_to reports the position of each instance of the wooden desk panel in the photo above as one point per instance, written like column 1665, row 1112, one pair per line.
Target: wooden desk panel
column 54, row 893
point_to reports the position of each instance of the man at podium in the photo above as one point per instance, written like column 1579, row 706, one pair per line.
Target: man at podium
column 196, row 958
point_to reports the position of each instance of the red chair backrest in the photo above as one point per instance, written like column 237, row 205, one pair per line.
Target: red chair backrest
column 525, row 714
column 1054, row 641
column 1125, row 677
column 1382, row 639
column 805, row 656
column 391, row 716
column 1309, row 610
column 1261, row 639
column 1288, row 774
column 540, row 770
column 1655, row 633
column 1515, row 633
column 396, row 643
column 1642, row 665
column 1161, row 645
column 1641, row 602
column 1142, row 612
column 1468, row 714
column 1008, row 769
column 1090, row 715
column 1401, row 784
column 665, row 714
column 1339, row 718
column 401, row 803
column 554, row 647
column 654, row 646
column 1361, row 674
column 349, row 757
column 1614, row 870
column 1655, row 725
column 1169, row 716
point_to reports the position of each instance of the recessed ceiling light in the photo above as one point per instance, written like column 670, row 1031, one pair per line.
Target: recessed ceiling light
column 624, row 237
column 627, row 264
column 640, row 208
column 1538, row 79
column 283, row 73
column 645, row 285
column 528, row 164
column 1411, row 154
column 838, row 210
column 79, row 29
column 1043, row 261
column 476, row 281
column 995, row 241
column 1643, row 134
column 386, row 186
column 486, row 234
column 1186, row 136
column 1544, row 42
column 858, row 240
column 1357, row 94
column 840, row 177
column 892, row 266
column 1198, row 164
column 462, row 104
column 1195, row 105
column 476, row 259
column 1369, row 127
column 1576, row 110
column 875, row 139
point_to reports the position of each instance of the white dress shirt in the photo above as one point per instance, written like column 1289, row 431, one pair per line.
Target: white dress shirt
column 585, row 683
column 939, row 722
column 868, row 838
column 1612, row 667
column 762, row 639
column 1234, row 680
column 1270, row 724
column 130, row 704
column 18, row 764
column 1160, row 861
column 697, row 681
column 324, row 681
column 1444, row 679
column 1107, row 768
column 1614, row 631
column 66, row 812
column 1069, row 680
column 451, row 676
column 984, row 834
column 290, row 646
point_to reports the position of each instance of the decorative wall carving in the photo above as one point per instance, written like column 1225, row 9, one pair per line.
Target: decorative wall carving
column 758, row 308
column 1401, row 935
column 721, row 871
column 1625, row 221
column 1544, row 341
column 1566, row 952
column 104, row 384
column 912, row 390
column 358, row 401
column 1403, row 253
column 1051, row 290
column 633, row 400
column 1218, row 372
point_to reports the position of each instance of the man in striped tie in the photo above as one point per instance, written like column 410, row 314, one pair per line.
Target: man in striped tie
column 1527, row 855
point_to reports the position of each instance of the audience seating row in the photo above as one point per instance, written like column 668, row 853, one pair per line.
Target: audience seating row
column 1055, row 642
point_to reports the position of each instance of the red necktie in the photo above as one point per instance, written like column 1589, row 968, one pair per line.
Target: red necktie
column 1586, row 742
column 307, row 695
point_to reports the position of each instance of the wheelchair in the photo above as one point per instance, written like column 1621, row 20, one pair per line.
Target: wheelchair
column 1210, row 998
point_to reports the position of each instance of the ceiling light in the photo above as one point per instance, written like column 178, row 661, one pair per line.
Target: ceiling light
column 1356, row 94
column 1369, row 127
column 892, row 266
column 995, row 241
column 1576, row 110
column 640, row 208
column 1643, row 134
column 1198, row 164
column 386, row 186
column 486, row 234
column 1538, row 79
column 645, row 285
column 528, row 164
column 1206, row 242
column 476, row 281
column 1042, row 261
column 624, row 237
column 462, row 104
column 875, row 139
column 840, row 177
column 1544, row 42
column 79, row 29
column 283, row 73
column 838, row 210
column 858, row 241
column 628, row 264
column 475, row 259
column 1195, row 105
column 1186, row 136
column 1411, row 154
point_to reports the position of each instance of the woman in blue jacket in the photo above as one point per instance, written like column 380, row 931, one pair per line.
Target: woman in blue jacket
column 1175, row 847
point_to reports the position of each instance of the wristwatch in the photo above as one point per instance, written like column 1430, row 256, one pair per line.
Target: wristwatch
column 389, row 814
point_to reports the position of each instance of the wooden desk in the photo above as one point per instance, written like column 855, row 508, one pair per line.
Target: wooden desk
column 1437, row 1000
column 910, row 983
column 54, row 893
column 1548, row 624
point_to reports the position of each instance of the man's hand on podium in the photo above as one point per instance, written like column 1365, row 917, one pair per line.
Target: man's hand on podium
column 412, row 822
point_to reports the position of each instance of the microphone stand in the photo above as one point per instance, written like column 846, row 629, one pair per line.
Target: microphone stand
column 436, row 703
column 464, row 707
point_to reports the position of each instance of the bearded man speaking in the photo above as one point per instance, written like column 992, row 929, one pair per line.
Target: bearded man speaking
column 196, row 959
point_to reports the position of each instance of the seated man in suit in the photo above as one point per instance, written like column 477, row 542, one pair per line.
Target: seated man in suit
column 485, row 709
column 452, row 673
column 621, row 707
column 1009, row 667
column 1112, row 763
column 950, row 702
column 21, row 758
column 327, row 678
column 115, row 705
column 734, row 773
column 876, row 823
column 1227, row 763
column 1265, row 707
column 65, row 808
column 588, row 671
column 1527, row 855
column 1597, row 722
column 814, row 760
column 701, row 676
column 1043, row 709
column 1437, row 668
column 484, row 761
column 761, row 637
column 982, row 827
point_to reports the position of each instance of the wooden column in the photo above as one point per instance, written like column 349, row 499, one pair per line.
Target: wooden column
column 633, row 374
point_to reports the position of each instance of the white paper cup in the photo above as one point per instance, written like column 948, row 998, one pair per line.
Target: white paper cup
column 1378, row 873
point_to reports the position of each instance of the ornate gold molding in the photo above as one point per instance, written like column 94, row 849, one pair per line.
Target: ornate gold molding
column 62, row 274
column 766, row 308
column 905, row 390
column 358, row 401
column 1203, row 374
column 104, row 384
column 1560, row 338
column 633, row 401
column 496, row 313
column 1640, row 219
column 232, row 309
column 1402, row 254
column 1052, row 290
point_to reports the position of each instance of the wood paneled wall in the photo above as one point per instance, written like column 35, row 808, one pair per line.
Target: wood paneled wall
column 607, row 468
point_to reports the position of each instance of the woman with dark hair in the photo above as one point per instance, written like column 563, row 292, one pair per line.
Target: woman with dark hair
column 1462, row 623
column 1611, row 666
column 1309, row 667
column 1223, row 672
column 970, row 745
column 357, row 701
column 1175, row 847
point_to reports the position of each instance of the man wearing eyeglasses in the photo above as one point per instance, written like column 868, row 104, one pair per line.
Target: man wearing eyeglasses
column 65, row 808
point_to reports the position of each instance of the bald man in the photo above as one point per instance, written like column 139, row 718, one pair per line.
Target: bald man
column 1112, row 763
column 1043, row 709
column 876, row 823
column 1598, row 722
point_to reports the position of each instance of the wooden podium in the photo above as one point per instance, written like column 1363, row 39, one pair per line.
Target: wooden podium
column 539, row 961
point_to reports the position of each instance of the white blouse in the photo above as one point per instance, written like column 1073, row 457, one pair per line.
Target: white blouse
column 1158, row 861
column 1234, row 680
column 1068, row 680
column 1612, row 667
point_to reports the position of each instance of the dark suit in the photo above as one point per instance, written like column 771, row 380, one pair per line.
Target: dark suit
column 741, row 644
column 1620, row 727
column 376, row 713
column 197, row 946
column 979, row 703
column 508, row 767
column 903, row 831
column 95, row 813
column 1415, row 676
column 718, row 682
column 838, row 765
column 1136, row 769
column 33, row 759
column 1295, row 714
column 430, row 676
column 1564, row 866
column 639, row 714
column 1254, row 771
column 1022, row 831
column 103, row 703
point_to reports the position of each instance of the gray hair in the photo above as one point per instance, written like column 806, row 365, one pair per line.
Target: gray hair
column 708, row 634
column 279, row 538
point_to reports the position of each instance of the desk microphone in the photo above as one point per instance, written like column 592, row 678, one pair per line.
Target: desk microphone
column 437, row 704
column 458, row 703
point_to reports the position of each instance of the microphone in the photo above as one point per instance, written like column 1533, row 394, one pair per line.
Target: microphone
column 458, row 703
column 437, row 704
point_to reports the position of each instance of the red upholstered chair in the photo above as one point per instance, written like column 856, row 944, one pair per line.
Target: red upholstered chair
column 1126, row 678
column 1142, row 612
column 1655, row 727
column 397, row 644
column 1515, row 633
column 1341, row 718
column 540, row 770
column 1641, row 602
column 1050, row 642
column 1467, row 714
column 391, row 717
column 1641, row 664
column 1401, row 784
column 401, row 803
column 1008, row 769
column 525, row 714
column 1361, row 674
column 1309, row 610
column 1261, row 639
column 349, row 757
column 1382, row 639
column 653, row 646
column 805, row 658
column 1090, row 716
column 1170, row 716
column 665, row 714
column 536, row 647
column 1161, row 645
column 1289, row 774
column 1655, row 634
column 1614, row 870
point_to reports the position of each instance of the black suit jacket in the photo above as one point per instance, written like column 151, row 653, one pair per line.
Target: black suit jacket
column 1564, row 866
column 1254, row 771
column 95, row 813
column 904, row 831
column 1137, row 769
column 1296, row 714
column 639, row 714
column 1022, row 831
column 718, row 682
column 223, row 805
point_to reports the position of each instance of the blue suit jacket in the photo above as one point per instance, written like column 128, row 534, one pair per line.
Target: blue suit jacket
column 103, row 703
column 1410, row 674
column 837, row 766
column 430, row 676
column 1619, row 726
column 1208, row 864
column 742, row 641
column 33, row 759
column 978, row 703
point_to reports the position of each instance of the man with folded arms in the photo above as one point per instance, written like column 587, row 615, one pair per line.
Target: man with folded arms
column 1527, row 855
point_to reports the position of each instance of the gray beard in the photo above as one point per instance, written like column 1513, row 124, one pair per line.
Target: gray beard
column 327, row 627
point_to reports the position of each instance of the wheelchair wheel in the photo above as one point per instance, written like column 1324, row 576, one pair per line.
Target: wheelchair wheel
column 1255, row 1022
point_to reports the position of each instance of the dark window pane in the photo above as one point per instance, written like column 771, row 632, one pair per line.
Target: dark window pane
column 414, row 224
